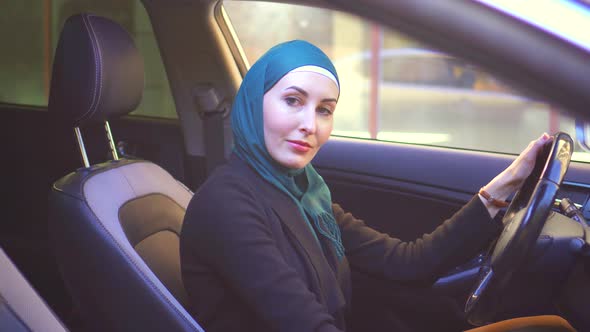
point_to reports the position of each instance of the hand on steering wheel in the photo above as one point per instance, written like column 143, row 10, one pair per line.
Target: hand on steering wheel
column 523, row 223
column 512, row 178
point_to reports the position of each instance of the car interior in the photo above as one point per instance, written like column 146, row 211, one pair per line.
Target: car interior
column 97, row 195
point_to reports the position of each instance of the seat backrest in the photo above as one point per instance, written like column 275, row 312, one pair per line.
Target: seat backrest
column 21, row 308
column 115, row 225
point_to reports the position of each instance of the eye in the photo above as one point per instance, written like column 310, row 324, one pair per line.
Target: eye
column 325, row 111
column 292, row 101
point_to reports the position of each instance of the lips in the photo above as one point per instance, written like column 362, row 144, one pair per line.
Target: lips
column 299, row 146
column 302, row 143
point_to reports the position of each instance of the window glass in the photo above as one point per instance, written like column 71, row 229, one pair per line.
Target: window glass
column 24, row 56
column 394, row 88
column 26, row 61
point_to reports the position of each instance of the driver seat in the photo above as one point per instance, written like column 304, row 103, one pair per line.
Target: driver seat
column 114, row 225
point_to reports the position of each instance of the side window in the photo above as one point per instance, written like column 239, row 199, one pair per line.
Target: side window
column 394, row 88
column 30, row 30
column 23, row 59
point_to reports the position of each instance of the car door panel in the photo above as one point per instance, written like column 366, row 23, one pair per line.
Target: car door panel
column 423, row 185
column 407, row 190
column 404, row 190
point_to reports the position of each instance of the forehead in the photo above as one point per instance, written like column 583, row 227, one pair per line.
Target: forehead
column 310, row 82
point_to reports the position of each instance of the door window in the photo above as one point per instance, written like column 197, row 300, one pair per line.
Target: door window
column 394, row 88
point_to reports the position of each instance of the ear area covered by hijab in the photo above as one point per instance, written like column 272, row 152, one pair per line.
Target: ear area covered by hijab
column 314, row 201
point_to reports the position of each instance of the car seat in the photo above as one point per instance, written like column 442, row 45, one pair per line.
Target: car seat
column 114, row 225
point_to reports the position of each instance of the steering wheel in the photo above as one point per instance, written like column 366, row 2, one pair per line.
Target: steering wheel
column 523, row 222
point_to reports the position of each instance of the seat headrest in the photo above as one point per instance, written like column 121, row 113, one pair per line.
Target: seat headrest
column 97, row 72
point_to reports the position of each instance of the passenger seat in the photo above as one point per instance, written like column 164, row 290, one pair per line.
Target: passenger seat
column 114, row 225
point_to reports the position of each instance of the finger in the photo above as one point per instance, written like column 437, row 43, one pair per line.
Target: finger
column 537, row 145
column 529, row 154
column 541, row 141
column 544, row 138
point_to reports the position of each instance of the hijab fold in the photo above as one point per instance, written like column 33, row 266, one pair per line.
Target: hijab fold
column 313, row 199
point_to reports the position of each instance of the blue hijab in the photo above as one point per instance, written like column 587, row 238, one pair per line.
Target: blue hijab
column 314, row 201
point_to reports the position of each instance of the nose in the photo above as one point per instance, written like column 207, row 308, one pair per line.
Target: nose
column 308, row 121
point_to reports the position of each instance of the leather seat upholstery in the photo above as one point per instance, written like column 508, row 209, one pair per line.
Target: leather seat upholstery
column 21, row 308
column 115, row 225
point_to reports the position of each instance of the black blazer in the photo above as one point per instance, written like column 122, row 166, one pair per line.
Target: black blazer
column 251, row 263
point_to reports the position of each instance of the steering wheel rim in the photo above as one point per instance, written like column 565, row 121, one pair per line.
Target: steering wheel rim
column 523, row 222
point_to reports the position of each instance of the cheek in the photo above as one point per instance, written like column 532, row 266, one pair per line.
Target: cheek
column 266, row 125
column 268, row 116
column 277, row 122
column 324, row 130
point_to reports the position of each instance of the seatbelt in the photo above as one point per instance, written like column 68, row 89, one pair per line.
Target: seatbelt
column 213, row 111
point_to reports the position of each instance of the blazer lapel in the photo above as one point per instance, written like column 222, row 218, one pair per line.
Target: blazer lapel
column 289, row 215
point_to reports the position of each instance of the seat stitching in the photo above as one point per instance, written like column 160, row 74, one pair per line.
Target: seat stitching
column 168, row 228
column 126, row 180
column 97, row 55
column 145, row 277
column 94, row 86
column 153, row 285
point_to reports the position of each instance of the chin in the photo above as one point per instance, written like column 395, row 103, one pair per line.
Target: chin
column 294, row 164
column 292, row 160
column 297, row 165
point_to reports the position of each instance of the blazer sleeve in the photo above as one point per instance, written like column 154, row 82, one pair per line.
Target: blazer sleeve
column 228, row 231
column 454, row 242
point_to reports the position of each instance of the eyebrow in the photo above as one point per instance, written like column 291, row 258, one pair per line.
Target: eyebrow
column 303, row 92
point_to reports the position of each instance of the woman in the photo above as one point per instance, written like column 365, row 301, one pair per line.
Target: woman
column 262, row 246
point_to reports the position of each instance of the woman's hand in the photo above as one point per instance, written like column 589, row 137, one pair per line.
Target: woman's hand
column 512, row 178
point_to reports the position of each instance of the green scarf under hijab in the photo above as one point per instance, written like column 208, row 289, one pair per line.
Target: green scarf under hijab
column 315, row 201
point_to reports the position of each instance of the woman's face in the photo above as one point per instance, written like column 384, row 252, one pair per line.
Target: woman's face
column 298, row 117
